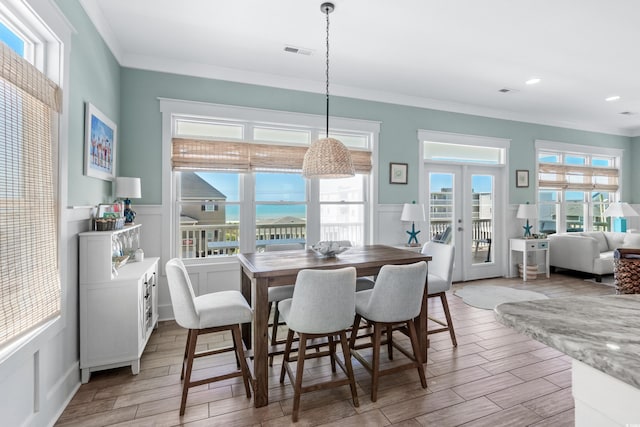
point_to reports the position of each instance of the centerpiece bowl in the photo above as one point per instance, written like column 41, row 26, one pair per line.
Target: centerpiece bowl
column 328, row 249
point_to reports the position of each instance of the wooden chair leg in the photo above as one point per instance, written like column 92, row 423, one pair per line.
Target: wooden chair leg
column 416, row 351
column 191, row 351
column 186, row 353
column 239, row 351
column 354, row 331
column 297, row 388
column 375, row 368
column 332, row 353
column 274, row 330
column 347, row 362
column 285, row 357
column 390, row 341
column 447, row 314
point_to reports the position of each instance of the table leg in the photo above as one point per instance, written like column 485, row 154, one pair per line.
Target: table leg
column 245, row 288
column 261, row 342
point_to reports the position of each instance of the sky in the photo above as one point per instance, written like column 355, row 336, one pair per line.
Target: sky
column 11, row 39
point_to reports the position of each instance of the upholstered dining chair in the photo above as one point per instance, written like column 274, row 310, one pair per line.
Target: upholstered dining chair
column 439, row 282
column 323, row 306
column 395, row 300
column 279, row 293
column 204, row 314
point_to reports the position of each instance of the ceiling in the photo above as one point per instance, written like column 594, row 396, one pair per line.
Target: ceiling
column 452, row 55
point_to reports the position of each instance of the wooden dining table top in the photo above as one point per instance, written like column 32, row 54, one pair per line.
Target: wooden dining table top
column 286, row 263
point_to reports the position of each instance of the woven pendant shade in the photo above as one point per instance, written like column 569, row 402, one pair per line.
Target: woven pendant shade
column 327, row 158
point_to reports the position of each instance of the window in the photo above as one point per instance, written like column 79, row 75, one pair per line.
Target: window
column 239, row 185
column 29, row 102
column 575, row 186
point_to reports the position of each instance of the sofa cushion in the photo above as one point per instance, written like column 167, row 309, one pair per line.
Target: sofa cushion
column 615, row 240
column 603, row 246
column 631, row 240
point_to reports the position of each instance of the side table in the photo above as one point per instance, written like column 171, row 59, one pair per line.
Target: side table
column 526, row 246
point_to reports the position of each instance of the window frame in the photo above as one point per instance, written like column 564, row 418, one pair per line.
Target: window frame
column 171, row 109
column 44, row 49
column 563, row 150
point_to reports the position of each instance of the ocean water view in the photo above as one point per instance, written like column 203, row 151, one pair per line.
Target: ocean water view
column 268, row 213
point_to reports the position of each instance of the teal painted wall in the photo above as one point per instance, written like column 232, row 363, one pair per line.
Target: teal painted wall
column 94, row 77
column 140, row 148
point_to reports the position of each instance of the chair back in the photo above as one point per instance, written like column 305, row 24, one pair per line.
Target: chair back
column 324, row 301
column 182, row 295
column 283, row 247
column 398, row 293
column 441, row 264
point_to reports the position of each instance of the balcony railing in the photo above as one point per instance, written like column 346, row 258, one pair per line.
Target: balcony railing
column 199, row 241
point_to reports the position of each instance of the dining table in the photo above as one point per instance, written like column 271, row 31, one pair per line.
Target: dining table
column 261, row 270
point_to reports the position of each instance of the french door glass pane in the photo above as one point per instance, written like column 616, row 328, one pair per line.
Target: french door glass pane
column 482, row 207
column 440, row 206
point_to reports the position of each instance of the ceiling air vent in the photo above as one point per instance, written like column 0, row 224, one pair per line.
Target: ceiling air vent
column 628, row 113
column 506, row 90
column 298, row 50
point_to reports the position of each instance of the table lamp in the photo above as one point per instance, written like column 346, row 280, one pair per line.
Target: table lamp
column 128, row 188
column 413, row 212
column 526, row 211
column 619, row 211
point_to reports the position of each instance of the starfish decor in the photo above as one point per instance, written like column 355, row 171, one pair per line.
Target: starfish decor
column 527, row 229
column 413, row 234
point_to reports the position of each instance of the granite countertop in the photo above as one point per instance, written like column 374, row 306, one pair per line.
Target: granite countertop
column 602, row 331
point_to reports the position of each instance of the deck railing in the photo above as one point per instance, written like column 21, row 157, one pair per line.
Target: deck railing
column 223, row 239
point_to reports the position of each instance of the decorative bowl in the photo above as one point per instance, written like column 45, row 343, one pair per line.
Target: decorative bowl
column 328, row 249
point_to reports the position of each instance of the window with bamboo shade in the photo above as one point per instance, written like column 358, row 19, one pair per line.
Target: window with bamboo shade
column 29, row 280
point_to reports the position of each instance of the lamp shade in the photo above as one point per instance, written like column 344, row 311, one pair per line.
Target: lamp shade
column 412, row 212
column 327, row 158
column 128, row 188
column 527, row 211
column 620, row 210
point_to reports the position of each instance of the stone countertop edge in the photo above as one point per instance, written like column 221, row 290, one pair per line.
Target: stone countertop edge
column 600, row 331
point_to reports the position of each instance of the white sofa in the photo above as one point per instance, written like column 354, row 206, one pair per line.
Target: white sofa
column 589, row 252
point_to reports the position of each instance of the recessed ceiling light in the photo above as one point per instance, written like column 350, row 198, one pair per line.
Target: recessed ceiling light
column 612, row 98
column 533, row 81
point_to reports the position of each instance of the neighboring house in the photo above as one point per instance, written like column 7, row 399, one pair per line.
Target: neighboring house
column 210, row 210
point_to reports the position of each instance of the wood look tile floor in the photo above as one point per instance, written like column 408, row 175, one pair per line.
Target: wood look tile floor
column 495, row 377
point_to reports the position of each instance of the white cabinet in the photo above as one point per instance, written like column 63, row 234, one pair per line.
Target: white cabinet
column 118, row 307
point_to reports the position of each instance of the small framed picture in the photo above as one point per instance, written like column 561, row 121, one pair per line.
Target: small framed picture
column 522, row 178
column 398, row 173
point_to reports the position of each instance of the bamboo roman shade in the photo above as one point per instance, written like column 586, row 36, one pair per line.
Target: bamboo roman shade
column 29, row 281
column 577, row 177
column 199, row 154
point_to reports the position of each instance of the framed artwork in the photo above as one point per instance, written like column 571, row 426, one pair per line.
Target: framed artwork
column 398, row 173
column 100, row 142
column 522, row 178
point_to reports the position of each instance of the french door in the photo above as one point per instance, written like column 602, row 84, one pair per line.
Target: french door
column 466, row 210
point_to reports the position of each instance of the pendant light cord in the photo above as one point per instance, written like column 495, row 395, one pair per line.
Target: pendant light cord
column 327, row 10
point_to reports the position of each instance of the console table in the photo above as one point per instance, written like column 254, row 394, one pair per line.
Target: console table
column 526, row 246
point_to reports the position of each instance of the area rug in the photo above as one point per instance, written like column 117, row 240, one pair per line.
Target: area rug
column 488, row 297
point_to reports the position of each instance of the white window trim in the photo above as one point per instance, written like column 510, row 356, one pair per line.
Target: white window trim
column 171, row 107
column 567, row 148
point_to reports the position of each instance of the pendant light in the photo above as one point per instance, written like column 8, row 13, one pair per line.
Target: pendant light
column 327, row 157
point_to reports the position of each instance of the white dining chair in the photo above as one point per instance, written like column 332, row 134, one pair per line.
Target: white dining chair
column 439, row 282
column 205, row 314
column 395, row 300
column 323, row 306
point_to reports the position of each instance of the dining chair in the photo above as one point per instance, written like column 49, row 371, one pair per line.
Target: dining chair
column 362, row 283
column 323, row 306
column 279, row 293
column 205, row 314
column 395, row 300
column 439, row 282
